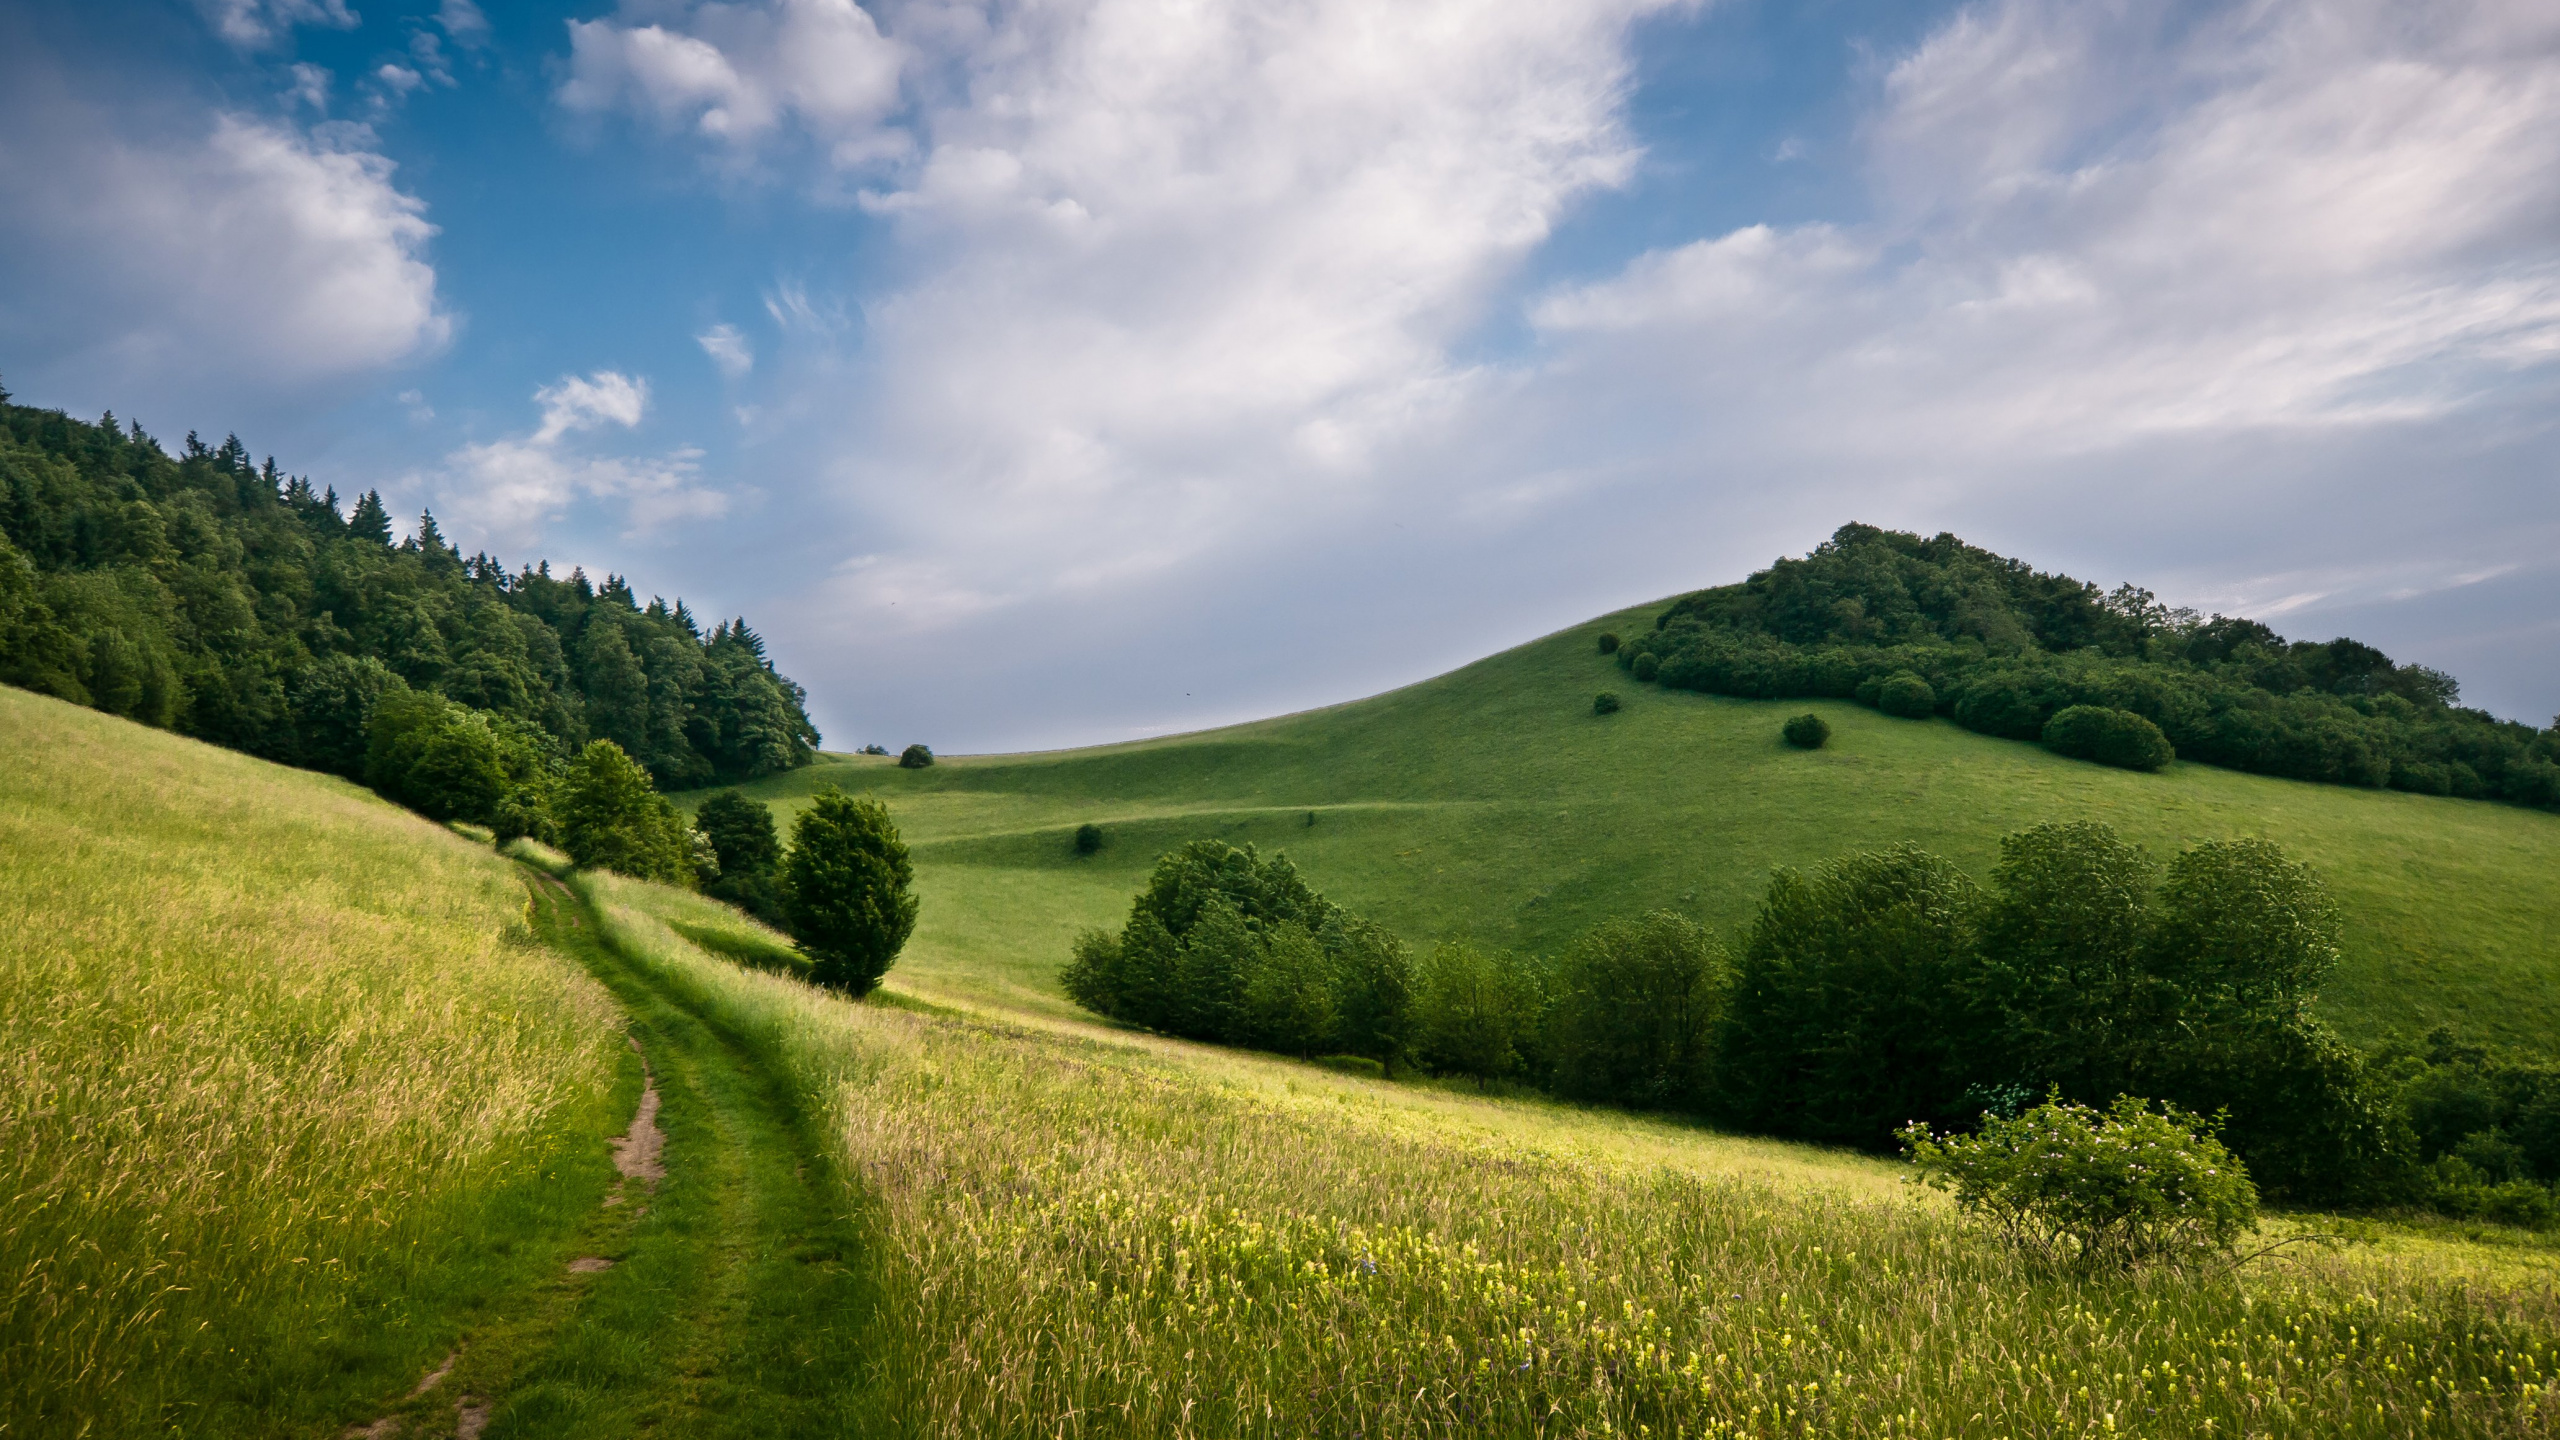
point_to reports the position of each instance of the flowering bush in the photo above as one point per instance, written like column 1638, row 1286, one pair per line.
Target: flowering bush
column 2100, row 1190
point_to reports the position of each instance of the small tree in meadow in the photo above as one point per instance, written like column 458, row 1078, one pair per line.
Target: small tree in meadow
column 611, row 818
column 1807, row 731
column 1647, row 666
column 847, row 890
column 1608, row 642
column 1088, row 838
column 1605, row 703
column 915, row 757
column 2096, row 1190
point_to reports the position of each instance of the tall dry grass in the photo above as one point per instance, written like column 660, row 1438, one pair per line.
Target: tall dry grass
column 1091, row 1236
column 274, row 1056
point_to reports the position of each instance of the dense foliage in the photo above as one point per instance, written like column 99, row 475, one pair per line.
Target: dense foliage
column 2095, row 1189
column 228, row 601
column 747, row 850
column 1880, row 990
column 1807, row 731
column 847, row 890
column 1917, row 626
column 1227, row 946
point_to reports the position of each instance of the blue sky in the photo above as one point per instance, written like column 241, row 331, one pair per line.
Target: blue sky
column 1040, row 373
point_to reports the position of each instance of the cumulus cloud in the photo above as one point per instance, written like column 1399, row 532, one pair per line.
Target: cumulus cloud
column 217, row 245
column 255, row 24
column 507, row 491
column 727, row 347
column 738, row 74
column 463, row 22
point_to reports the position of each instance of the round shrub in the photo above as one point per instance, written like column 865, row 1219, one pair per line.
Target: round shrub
column 848, row 890
column 1647, row 666
column 1605, row 703
column 1807, row 731
column 1908, row 696
column 915, row 757
column 2110, row 737
column 1608, row 642
column 2096, row 1190
column 1088, row 839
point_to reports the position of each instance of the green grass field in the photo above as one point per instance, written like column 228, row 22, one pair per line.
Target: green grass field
column 1087, row 1232
column 1491, row 803
column 288, row 1094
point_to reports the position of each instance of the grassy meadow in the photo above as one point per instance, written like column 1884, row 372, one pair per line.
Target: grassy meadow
column 286, row 1090
column 1491, row 803
column 1088, row 1232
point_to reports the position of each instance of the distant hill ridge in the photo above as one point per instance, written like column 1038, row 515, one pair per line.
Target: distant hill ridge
column 2003, row 648
column 228, row 601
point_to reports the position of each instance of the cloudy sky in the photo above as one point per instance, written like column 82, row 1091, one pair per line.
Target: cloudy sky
column 1034, row 372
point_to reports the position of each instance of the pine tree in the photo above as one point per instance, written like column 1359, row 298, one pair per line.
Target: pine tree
column 371, row 521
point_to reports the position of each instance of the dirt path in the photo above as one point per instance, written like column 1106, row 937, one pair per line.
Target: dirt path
column 718, row 1291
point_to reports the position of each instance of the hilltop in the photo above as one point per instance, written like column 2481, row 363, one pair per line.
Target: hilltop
column 1491, row 803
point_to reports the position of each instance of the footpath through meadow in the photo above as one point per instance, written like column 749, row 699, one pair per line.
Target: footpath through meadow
column 719, row 1291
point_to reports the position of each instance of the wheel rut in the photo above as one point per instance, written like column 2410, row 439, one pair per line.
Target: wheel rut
column 720, row 1289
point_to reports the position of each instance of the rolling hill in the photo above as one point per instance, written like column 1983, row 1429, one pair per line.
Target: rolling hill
column 1491, row 803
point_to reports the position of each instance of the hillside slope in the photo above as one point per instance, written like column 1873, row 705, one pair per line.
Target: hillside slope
column 1491, row 802
column 285, row 1088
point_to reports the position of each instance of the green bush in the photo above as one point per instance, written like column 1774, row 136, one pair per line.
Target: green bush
column 2096, row 1190
column 1605, row 703
column 1908, row 696
column 1608, row 642
column 915, row 757
column 2108, row 736
column 1807, row 731
column 848, row 890
column 1088, row 838
column 1647, row 666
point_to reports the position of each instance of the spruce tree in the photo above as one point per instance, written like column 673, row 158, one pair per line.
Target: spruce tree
column 371, row 521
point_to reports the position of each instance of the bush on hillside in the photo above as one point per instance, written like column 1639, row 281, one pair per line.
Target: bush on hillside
column 874, row 749
column 1605, row 703
column 1906, row 695
column 2096, row 1190
column 1807, row 731
column 1608, row 642
column 848, row 890
column 915, row 757
column 1647, row 666
column 610, row 818
column 1088, row 838
column 2108, row 736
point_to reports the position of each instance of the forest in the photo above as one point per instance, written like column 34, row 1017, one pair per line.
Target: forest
column 225, row 600
column 1917, row 627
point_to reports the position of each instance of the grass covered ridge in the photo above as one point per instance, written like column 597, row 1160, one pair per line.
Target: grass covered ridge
column 1490, row 803
column 286, row 1089
column 1094, row 1233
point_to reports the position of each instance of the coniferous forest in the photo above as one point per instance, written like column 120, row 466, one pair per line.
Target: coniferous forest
column 220, row 598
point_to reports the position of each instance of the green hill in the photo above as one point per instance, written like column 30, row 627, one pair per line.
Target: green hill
column 1490, row 802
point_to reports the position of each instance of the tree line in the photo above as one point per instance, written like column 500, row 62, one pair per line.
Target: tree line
column 1919, row 627
column 231, row 602
column 1870, row 993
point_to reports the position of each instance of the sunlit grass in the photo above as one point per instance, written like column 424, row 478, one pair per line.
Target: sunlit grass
column 282, row 1077
column 1095, row 1233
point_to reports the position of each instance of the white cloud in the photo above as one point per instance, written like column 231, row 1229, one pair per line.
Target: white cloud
column 727, row 347
column 254, row 24
column 736, row 74
column 291, row 259
column 463, row 22
column 507, row 491
column 583, row 402
column 311, row 87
